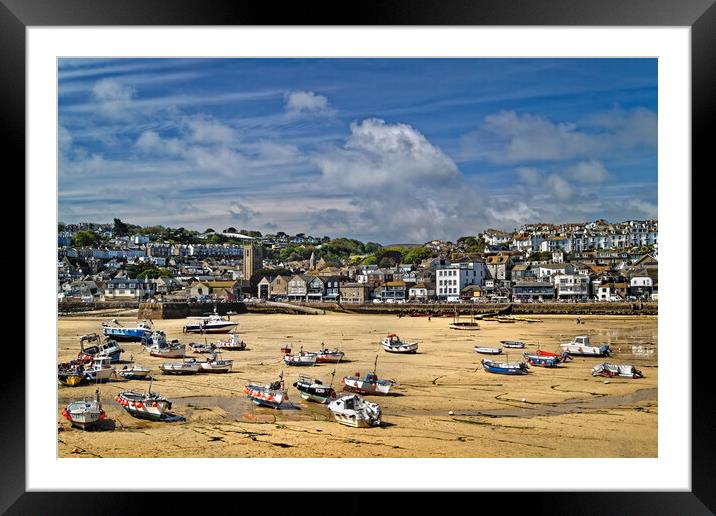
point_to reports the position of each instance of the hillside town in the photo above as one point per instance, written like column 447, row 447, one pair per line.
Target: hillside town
column 590, row 262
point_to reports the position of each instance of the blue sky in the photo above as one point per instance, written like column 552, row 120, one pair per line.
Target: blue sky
column 388, row 150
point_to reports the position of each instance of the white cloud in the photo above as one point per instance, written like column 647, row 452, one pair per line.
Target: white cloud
column 297, row 102
column 591, row 171
column 561, row 189
column 529, row 176
column 113, row 98
column 203, row 129
column 241, row 213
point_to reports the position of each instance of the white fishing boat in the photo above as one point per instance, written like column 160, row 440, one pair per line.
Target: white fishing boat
column 86, row 413
column 487, row 351
column 513, row 344
column 157, row 345
column 302, row 358
column 370, row 384
column 329, row 355
column 195, row 347
column 581, row 346
column 215, row 364
column 147, row 405
column 135, row 372
column 353, row 410
column 186, row 366
column 393, row 344
column 270, row 395
column 612, row 370
column 233, row 344
column 99, row 370
column 213, row 323
column 115, row 330
column 109, row 348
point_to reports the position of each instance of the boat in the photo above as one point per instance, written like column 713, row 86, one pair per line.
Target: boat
column 563, row 357
column 370, row 384
column 99, row 370
column 541, row 360
column 85, row 413
column 147, row 405
column 313, row 389
column 393, row 344
column 302, row 358
column 215, row 364
column 136, row 372
column 487, row 351
column 71, row 373
column 504, row 367
column 353, row 410
column 506, row 320
column 109, row 348
column 286, row 349
column 157, row 345
column 195, row 347
column 270, row 395
column 612, row 370
column 126, row 333
column 512, row 343
column 581, row 346
column 471, row 324
column 186, row 366
column 329, row 355
column 213, row 323
column 233, row 344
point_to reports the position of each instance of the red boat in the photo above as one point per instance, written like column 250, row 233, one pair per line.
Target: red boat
column 562, row 356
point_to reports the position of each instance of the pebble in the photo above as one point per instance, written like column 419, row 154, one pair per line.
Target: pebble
column 606, row 381
column 75, row 450
column 451, row 413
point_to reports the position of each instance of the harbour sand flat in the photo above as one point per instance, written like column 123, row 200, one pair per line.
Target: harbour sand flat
column 445, row 404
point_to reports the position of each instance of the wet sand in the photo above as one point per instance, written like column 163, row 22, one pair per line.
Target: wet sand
column 562, row 412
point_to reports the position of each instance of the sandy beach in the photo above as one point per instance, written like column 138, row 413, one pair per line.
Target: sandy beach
column 561, row 412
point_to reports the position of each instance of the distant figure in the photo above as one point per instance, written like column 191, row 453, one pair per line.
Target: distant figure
column 578, row 321
column 429, row 318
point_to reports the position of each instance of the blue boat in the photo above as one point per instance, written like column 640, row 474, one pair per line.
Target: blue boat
column 504, row 367
column 126, row 333
column 544, row 361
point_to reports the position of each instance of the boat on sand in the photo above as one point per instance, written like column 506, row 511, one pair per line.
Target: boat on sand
column 353, row 410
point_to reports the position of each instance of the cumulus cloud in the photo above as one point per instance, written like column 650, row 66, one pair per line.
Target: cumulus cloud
column 591, row 171
column 113, row 98
column 511, row 137
column 529, row 176
column 203, row 129
column 297, row 102
column 241, row 213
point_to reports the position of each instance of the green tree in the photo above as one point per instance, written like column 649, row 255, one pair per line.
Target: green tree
column 120, row 228
column 86, row 238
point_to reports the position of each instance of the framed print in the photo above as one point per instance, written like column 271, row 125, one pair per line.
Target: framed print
column 388, row 200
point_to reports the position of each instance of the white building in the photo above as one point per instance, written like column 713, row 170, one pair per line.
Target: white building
column 452, row 279
column 571, row 286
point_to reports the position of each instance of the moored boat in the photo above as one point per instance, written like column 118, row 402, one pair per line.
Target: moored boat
column 487, row 351
column 492, row 366
column 85, row 413
column 233, row 344
column 612, row 370
column 118, row 332
column 71, row 373
column 109, row 348
column 99, row 370
column 370, row 384
column 393, row 344
column 563, row 357
column 542, row 361
column 147, row 405
column 302, row 358
column 213, row 323
column 270, row 395
column 216, row 364
column 157, row 345
column 196, row 347
column 581, row 346
column 353, row 410
column 513, row 343
column 329, row 355
column 186, row 366
column 135, row 372
column 314, row 389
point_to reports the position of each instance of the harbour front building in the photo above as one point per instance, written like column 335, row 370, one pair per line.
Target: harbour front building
column 354, row 293
column 452, row 279
column 532, row 291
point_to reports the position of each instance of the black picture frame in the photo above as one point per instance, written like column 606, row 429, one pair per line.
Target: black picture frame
column 700, row 15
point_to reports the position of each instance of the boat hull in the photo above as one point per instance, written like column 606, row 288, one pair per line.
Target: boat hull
column 487, row 351
column 354, row 421
column 593, row 351
column 265, row 397
column 464, row 326
column 217, row 329
column 508, row 369
column 216, row 368
column 126, row 334
column 314, row 392
column 404, row 348
column 150, row 407
column 360, row 386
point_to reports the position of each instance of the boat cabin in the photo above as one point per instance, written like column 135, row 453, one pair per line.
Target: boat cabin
column 582, row 340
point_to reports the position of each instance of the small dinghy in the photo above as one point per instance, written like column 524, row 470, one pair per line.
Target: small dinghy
column 86, row 413
column 612, row 370
column 215, row 364
column 353, row 410
column 543, row 361
column 512, row 343
column 109, row 348
column 186, row 366
column 393, row 344
column 487, row 351
column 233, row 344
column 302, row 358
column 313, row 389
column 147, row 405
column 196, row 347
column 270, row 395
column 504, row 367
column 370, row 384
